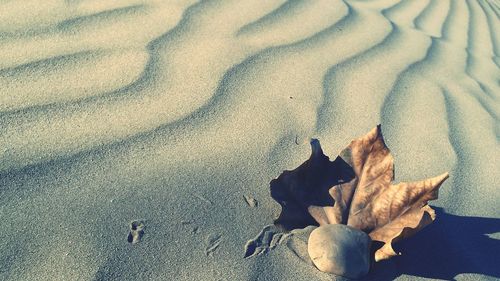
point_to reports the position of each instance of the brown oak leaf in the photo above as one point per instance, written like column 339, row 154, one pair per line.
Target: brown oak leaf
column 356, row 189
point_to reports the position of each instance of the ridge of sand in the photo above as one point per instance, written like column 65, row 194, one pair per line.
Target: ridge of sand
column 175, row 113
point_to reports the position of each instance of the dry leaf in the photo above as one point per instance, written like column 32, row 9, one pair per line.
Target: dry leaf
column 368, row 201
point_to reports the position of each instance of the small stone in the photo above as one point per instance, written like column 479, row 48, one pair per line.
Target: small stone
column 340, row 249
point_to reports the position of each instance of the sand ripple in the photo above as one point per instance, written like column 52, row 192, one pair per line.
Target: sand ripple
column 108, row 97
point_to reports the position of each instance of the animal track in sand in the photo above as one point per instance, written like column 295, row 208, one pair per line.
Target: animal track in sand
column 213, row 241
column 266, row 240
column 202, row 198
column 194, row 229
column 136, row 231
column 251, row 202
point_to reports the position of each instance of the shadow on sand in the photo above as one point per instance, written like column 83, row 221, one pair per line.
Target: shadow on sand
column 450, row 246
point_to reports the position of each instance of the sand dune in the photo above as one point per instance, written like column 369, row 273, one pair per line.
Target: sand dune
column 170, row 112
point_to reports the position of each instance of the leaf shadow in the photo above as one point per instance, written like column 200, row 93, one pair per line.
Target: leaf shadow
column 452, row 245
column 308, row 185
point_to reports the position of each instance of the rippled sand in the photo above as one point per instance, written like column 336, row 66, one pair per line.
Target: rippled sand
column 171, row 112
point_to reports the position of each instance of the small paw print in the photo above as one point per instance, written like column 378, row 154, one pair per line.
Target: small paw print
column 136, row 231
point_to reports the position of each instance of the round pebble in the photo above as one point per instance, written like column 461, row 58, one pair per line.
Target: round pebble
column 341, row 250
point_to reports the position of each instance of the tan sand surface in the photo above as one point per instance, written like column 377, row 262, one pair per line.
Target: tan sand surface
column 178, row 113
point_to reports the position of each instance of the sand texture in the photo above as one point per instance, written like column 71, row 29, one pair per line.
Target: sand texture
column 138, row 138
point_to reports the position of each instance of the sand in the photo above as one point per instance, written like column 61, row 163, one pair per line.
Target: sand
column 177, row 115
